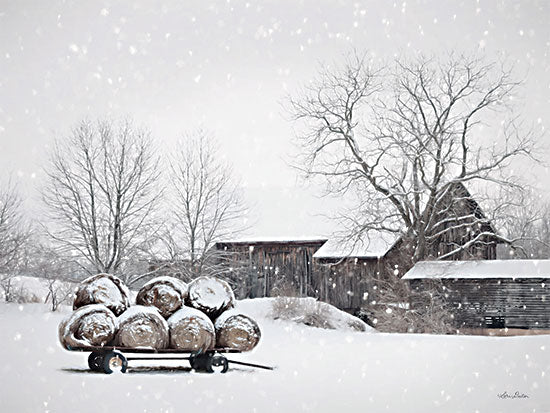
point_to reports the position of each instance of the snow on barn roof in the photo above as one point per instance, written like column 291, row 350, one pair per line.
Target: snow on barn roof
column 479, row 269
column 376, row 246
column 274, row 240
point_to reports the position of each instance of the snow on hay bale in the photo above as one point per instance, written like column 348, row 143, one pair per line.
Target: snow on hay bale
column 141, row 326
column 165, row 293
column 91, row 325
column 210, row 295
column 103, row 289
column 236, row 330
column 191, row 329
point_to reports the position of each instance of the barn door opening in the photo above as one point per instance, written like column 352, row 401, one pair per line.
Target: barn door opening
column 495, row 319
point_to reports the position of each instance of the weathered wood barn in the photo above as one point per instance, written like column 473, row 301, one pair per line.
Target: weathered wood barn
column 346, row 276
column 273, row 266
column 487, row 294
column 313, row 267
column 461, row 226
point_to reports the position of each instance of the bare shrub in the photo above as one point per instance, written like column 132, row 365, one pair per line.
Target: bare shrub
column 313, row 313
column 284, row 289
column 303, row 311
column 22, row 295
column 391, row 311
column 59, row 292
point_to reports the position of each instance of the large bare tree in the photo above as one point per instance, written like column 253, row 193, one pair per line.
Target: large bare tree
column 101, row 194
column 207, row 203
column 401, row 138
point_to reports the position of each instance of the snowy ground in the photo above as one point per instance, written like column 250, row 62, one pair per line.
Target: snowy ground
column 317, row 370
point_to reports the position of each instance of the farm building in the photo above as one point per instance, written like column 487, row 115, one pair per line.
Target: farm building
column 273, row 266
column 464, row 229
column 487, row 294
column 314, row 267
column 346, row 276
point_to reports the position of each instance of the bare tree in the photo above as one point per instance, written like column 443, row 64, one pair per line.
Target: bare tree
column 402, row 139
column 207, row 204
column 102, row 193
column 14, row 233
column 521, row 216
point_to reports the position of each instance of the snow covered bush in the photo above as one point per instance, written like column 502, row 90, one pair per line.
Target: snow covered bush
column 391, row 312
column 314, row 313
column 14, row 292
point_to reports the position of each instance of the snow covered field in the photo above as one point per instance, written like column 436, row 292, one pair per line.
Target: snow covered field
column 317, row 370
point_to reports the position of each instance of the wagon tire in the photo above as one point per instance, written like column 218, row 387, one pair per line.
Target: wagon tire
column 114, row 361
column 192, row 361
column 95, row 361
column 217, row 364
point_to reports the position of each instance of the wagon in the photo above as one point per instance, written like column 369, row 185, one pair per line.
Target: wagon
column 112, row 358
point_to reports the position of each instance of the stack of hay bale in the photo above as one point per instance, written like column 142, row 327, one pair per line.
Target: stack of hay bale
column 168, row 314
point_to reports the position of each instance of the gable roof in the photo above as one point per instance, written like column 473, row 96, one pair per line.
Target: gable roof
column 376, row 246
column 485, row 269
column 458, row 188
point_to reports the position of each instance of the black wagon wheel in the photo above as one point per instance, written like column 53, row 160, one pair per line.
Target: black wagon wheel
column 95, row 361
column 217, row 364
column 192, row 360
column 114, row 361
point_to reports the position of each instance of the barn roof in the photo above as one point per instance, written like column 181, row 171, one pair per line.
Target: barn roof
column 376, row 246
column 274, row 240
column 479, row 269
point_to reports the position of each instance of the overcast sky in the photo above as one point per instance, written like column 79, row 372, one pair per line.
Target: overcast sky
column 174, row 66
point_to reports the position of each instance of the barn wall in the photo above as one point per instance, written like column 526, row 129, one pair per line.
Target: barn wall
column 351, row 283
column 348, row 284
column 494, row 303
column 274, row 268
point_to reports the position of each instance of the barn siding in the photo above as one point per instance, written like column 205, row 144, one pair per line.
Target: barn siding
column 274, row 268
column 348, row 285
column 494, row 303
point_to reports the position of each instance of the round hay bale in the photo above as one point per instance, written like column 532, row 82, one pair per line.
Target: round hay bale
column 91, row 325
column 191, row 329
column 236, row 330
column 210, row 295
column 141, row 326
column 103, row 289
column 167, row 294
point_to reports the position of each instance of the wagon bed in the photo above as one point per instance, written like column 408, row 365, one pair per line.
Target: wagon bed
column 111, row 358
